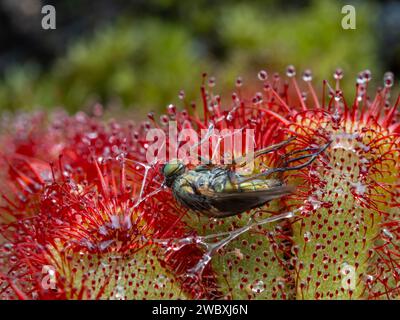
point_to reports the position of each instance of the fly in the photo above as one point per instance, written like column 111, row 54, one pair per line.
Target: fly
column 219, row 191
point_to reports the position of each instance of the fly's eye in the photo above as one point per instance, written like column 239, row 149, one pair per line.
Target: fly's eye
column 170, row 169
column 167, row 170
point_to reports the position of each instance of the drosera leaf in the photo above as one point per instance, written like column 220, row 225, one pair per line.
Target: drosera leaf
column 346, row 200
column 129, row 276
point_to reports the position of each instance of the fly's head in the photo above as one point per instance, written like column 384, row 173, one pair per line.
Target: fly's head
column 171, row 170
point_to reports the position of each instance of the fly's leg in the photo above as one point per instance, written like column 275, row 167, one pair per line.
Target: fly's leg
column 241, row 161
column 283, row 158
column 311, row 157
column 283, row 162
column 197, row 271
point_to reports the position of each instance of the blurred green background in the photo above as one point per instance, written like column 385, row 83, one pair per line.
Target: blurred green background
column 140, row 54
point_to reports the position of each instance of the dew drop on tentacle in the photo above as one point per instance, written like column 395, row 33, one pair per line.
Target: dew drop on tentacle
column 235, row 97
column 291, row 71
column 262, row 75
column 185, row 114
column 161, row 281
column 211, row 82
column 307, row 236
column 369, row 279
column 257, row 286
column 387, row 234
column 388, row 79
column 267, row 87
column 360, row 92
column 239, row 82
column 229, row 117
column 171, row 109
column 307, row 75
column 150, row 115
column 367, row 75
column 360, row 79
column 258, row 98
column 146, row 125
column 164, row 120
column 119, row 292
column 338, row 95
column 338, row 75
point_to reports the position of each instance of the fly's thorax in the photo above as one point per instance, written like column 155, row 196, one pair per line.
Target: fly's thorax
column 189, row 182
column 199, row 181
column 219, row 180
column 173, row 170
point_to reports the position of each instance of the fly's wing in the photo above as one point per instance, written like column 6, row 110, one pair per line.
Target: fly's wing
column 225, row 204
column 235, row 202
column 188, row 195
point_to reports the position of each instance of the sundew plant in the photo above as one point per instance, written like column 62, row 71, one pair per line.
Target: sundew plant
column 85, row 215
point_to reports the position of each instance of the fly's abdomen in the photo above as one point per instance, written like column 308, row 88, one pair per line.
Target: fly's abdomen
column 256, row 185
column 228, row 184
column 219, row 193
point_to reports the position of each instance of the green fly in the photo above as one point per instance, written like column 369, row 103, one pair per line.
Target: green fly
column 218, row 191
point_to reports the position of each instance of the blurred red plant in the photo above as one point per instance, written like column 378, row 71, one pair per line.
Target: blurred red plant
column 80, row 199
